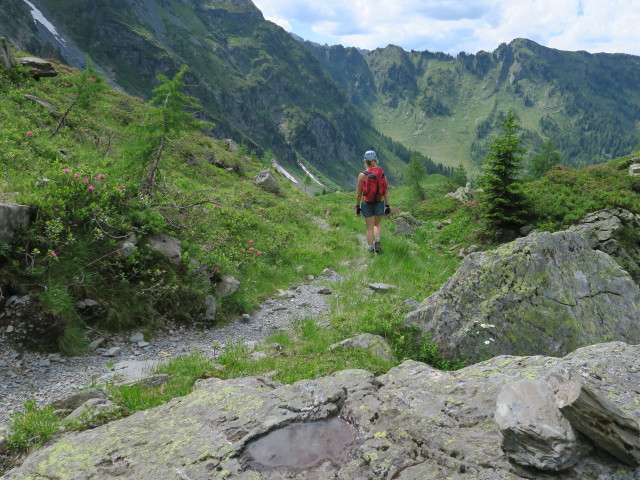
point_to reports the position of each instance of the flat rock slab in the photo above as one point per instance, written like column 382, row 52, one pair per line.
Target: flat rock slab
column 414, row 422
column 130, row 371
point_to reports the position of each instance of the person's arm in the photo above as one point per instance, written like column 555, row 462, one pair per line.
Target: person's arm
column 361, row 179
column 387, row 208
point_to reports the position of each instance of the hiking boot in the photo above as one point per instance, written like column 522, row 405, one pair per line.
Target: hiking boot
column 377, row 247
column 372, row 251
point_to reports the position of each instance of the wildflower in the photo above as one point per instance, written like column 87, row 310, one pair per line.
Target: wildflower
column 260, row 208
column 121, row 187
column 85, row 180
column 250, row 241
column 101, row 176
column 29, row 133
column 259, row 216
column 34, row 69
column 268, row 221
column 66, row 170
column 258, row 252
column 251, row 249
column 217, row 269
column 54, row 254
column 91, row 188
column 77, row 175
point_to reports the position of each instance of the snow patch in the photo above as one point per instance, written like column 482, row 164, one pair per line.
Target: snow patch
column 281, row 169
column 39, row 17
column 311, row 175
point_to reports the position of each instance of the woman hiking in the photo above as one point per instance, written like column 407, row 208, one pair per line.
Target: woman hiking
column 372, row 188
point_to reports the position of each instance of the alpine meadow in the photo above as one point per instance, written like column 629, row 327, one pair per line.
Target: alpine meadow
column 178, row 198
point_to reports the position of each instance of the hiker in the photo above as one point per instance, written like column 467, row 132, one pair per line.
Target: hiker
column 372, row 188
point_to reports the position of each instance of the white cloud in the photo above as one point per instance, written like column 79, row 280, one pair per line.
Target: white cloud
column 462, row 25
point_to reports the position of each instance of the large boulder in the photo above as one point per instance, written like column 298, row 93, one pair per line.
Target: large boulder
column 167, row 246
column 7, row 61
column 266, row 180
column 542, row 294
column 14, row 218
column 614, row 231
column 414, row 422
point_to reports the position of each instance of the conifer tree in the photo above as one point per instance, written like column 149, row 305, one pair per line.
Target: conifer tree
column 503, row 200
column 170, row 117
column 415, row 173
column 542, row 161
column 459, row 176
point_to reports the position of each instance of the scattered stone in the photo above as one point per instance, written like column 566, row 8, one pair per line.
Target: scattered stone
column 468, row 250
column 464, row 194
column 44, row 362
column 167, row 246
column 245, row 318
column 10, row 329
column 37, row 67
column 228, row 286
column 211, row 307
column 382, row 287
column 77, row 399
column 112, row 352
column 327, row 272
column 266, row 180
column 325, row 291
column 130, row 371
column 143, row 344
column 258, row 355
column 14, row 218
column 128, row 246
column 403, row 227
column 150, row 382
column 409, row 305
column 92, row 409
column 526, row 230
column 137, row 337
column 94, row 345
column 375, row 343
column 7, row 60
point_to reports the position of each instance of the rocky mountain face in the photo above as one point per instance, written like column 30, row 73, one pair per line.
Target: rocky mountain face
column 254, row 81
column 450, row 107
column 413, row 422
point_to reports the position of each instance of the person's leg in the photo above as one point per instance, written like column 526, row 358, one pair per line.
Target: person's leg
column 376, row 233
column 370, row 230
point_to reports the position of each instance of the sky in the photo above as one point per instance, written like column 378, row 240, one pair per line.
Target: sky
column 453, row 26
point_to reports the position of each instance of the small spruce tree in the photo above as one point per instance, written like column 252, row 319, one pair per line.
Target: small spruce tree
column 459, row 176
column 503, row 201
column 415, row 173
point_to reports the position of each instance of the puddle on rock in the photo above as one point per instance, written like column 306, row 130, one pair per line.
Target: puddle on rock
column 303, row 445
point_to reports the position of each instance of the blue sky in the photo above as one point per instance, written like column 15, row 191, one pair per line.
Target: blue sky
column 453, row 26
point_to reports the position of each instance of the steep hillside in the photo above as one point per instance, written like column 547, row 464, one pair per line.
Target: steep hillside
column 448, row 107
column 254, row 81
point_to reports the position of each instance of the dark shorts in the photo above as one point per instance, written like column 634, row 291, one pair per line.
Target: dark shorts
column 372, row 209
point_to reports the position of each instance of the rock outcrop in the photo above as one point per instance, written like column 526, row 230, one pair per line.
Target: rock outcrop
column 543, row 294
column 266, row 180
column 614, row 231
column 14, row 218
column 414, row 422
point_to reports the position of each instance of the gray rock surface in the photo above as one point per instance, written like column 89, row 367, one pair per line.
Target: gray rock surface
column 7, row 60
column 534, row 431
column 37, row 67
column 375, row 343
column 228, row 286
column 414, row 422
column 168, row 246
column 14, row 218
column 542, row 294
column 267, row 181
column 609, row 231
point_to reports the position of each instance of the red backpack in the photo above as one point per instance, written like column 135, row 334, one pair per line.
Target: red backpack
column 374, row 186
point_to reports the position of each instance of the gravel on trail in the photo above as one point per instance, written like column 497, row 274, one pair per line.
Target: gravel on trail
column 49, row 377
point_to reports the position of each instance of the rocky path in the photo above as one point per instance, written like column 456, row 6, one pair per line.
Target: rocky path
column 45, row 378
